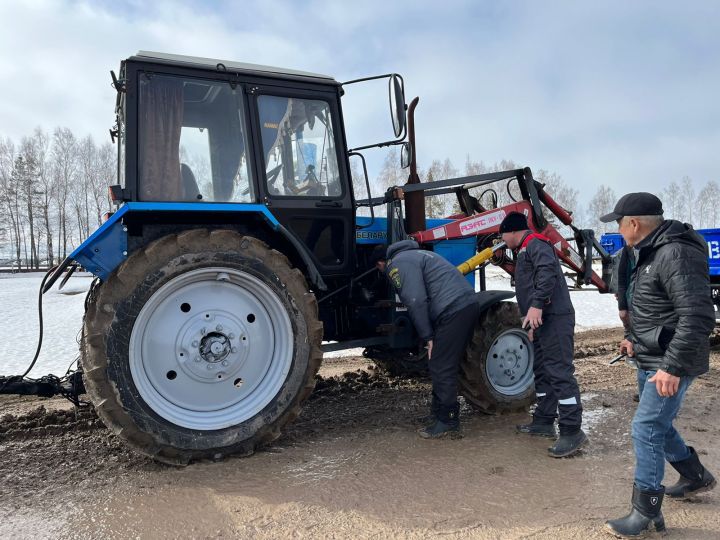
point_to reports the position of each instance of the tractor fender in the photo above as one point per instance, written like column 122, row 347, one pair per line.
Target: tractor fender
column 107, row 247
column 313, row 273
column 487, row 299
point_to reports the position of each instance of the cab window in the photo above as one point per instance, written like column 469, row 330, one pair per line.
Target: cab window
column 298, row 147
column 192, row 141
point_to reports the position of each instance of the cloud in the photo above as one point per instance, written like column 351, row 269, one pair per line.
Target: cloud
column 611, row 93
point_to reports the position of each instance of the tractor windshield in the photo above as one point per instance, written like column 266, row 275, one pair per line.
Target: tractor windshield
column 299, row 147
column 192, row 139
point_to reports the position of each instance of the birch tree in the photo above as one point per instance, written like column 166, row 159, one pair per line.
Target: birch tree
column 602, row 203
column 64, row 170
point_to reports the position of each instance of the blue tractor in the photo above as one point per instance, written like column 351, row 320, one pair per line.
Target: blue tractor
column 235, row 258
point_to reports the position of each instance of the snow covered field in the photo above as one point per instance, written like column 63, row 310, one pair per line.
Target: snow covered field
column 63, row 311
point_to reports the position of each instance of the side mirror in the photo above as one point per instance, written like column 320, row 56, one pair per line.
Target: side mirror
column 397, row 104
column 405, row 155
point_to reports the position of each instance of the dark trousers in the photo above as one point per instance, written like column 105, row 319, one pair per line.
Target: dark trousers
column 452, row 335
column 555, row 385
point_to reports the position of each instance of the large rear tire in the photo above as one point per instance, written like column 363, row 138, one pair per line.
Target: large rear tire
column 200, row 345
column 496, row 374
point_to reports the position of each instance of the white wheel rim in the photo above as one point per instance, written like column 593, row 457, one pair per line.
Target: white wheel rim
column 211, row 348
column 509, row 363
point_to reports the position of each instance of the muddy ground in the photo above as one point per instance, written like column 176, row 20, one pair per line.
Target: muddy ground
column 351, row 466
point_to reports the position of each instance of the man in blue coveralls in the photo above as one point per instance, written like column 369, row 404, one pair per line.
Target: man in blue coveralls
column 544, row 301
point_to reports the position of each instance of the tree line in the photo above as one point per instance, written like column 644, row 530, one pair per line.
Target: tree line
column 53, row 194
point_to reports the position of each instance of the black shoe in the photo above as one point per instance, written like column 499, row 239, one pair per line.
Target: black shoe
column 537, row 429
column 694, row 478
column 568, row 445
column 432, row 416
column 440, row 430
column 425, row 420
column 447, row 424
column 636, row 398
column 645, row 515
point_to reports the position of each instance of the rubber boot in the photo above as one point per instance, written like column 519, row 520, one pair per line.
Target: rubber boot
column 447, row 424
column 431, row 417
column 538, row 429
column 694, row 478
column 568, row 444
column 644, row 517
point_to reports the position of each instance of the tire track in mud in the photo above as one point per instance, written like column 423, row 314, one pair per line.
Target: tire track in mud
column 41, row 422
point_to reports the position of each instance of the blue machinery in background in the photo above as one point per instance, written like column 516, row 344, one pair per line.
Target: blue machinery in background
column 613, row 242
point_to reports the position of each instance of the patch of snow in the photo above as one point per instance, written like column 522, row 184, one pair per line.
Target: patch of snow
column 63, row 312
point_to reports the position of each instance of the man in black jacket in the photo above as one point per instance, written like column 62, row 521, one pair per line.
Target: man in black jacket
column 444, row 309
column 671, row 317
column 544, row 300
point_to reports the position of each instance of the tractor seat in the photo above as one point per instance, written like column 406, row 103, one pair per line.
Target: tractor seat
column 190, row 187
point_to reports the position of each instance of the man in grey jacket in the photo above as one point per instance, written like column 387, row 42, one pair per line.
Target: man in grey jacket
column 444, row 309
column 671, row 317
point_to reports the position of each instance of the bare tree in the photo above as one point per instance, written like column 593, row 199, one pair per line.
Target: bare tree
column 434, row 206
column 24, row 176
column 672, row 199
column 41, row 142
column 8, row 196
column 64, row 170
column 707, row 205
column 564, row 195
column 687, row 188
column 602, row 203
column 391, row 174
column 441, row 205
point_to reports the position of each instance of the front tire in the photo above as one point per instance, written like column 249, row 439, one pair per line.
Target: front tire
column 496, row 374
column 201, row 344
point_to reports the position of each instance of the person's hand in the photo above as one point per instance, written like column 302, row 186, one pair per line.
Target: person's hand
column 624, row 316
column 531, row 334
column 533, row 318
column 665, row 384
column 626, row 347
column 429, row 348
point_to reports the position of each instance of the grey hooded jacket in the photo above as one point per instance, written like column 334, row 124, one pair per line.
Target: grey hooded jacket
column 671, row 309
column 427, row 284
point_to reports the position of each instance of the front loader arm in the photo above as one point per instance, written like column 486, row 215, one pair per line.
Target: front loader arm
column 488, row 222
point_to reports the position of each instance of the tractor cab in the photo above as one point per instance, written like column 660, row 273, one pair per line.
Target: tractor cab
column 202, row 131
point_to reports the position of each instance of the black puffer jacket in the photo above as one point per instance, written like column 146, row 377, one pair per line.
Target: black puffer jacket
column 672, row 312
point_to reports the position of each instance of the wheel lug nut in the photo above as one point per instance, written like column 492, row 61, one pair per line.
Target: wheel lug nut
column 195, row 343
column 203, row 331
column 234, row 349
column 210, row 366
column 219, row 328
column 232, row 336
column 197, row 358
column 225, row 363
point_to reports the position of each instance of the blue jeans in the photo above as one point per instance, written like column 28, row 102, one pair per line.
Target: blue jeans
column 654, row 437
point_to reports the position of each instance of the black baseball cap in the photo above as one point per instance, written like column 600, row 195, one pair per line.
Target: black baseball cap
column 635, row 204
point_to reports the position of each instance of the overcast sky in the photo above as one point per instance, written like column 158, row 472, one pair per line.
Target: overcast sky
column 621, row 93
